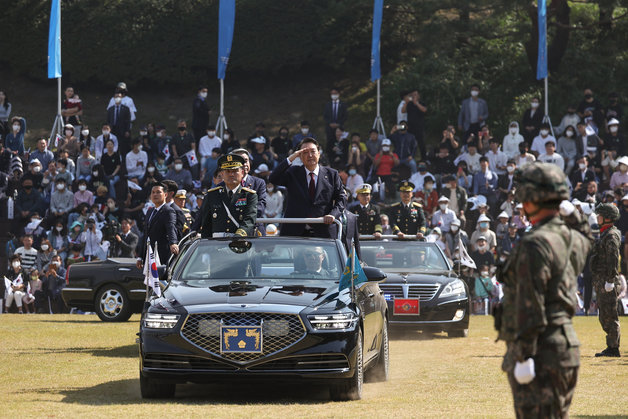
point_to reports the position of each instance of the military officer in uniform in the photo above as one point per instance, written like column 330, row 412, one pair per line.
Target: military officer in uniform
column 229, row 209
column 369, row 221
column 605, row 272
column 540, row 284
column 407, row 217
column 179, row 201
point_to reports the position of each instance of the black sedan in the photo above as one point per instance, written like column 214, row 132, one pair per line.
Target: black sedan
column 422, row 290
column 266, row 307
column 113, row 288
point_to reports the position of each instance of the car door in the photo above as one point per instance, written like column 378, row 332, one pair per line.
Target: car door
column 367, row 299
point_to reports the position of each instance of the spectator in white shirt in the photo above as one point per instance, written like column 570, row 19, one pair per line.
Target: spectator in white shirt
column 136, row 161
column 550, row 155
column 538, row 144
column 208, row 143
column 471, row 157
column 126, row 100
column 510, row 147
column 101, row 141
column 419, row 177
column 570, row 119
column 354, row 180
column 274, row 202
column 497, row 159
column 90, row 240
column 401, row 115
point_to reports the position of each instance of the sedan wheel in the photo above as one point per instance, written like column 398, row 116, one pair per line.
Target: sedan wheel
column 112, row 304
column 351, row 388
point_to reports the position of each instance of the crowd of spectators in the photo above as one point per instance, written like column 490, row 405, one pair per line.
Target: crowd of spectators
column 79, row 196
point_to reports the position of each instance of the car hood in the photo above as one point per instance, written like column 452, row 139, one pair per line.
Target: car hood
column 415, row 278
column 305, row 295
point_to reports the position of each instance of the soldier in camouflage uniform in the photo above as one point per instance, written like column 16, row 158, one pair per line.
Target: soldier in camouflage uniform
column 540, row 283
column 605, row 272
column 407, row 217
column 369, row 221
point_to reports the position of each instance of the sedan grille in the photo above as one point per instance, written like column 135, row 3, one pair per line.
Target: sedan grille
column 183, row 362
column 424, row 292
column 307, row 362
column 279, row 331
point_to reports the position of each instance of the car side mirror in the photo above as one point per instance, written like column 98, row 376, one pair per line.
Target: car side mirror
column 374, row 274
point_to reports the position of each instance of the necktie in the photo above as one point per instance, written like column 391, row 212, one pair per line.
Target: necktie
column 230, row 194
column 312, row 186
column 115, row 116
column 335, row 111
column 152, row 214
column 243, row 183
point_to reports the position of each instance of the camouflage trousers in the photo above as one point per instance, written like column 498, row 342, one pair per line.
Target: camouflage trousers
column 549, row 395
column 607, row 303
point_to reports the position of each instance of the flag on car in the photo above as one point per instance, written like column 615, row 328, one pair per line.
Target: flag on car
column 465, row 259
column 191, row 156
column 151, row 274
column 357, row 273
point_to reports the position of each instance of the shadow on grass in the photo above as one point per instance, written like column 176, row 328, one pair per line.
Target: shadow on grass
column 409, row 334
column 127, row 351
column 230, row 393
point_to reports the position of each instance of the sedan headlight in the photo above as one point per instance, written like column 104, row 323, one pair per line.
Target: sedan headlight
column 161, row 321
column 332, row 321
column 453, row 288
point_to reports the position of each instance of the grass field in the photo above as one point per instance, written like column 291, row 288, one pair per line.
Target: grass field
column 76, row 366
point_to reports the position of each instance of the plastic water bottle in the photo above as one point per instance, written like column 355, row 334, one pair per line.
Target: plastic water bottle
column 486, row 306
column 10, row 208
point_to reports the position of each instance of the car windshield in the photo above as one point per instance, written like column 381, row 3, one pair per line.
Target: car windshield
column 263, row 259
column 403, row 256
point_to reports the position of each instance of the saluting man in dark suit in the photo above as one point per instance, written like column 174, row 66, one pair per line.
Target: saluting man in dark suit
column 229, row 209
column 407, row 217
column 313, row 191
column 126, row 241
column 369, row 221
column 255, row 183
column 159, row 227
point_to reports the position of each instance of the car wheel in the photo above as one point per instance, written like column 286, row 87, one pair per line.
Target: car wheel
column 379, row 372
column 112, row 304
column 458, row 333
column 152, row 389
column 351, row 388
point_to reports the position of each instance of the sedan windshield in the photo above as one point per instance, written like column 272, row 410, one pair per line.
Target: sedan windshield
column 403, row 256
column 263, row 259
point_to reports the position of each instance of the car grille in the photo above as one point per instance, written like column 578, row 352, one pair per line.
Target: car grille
column 182, row 362
column 301, row 363
column 279, row 331
column 423, row 292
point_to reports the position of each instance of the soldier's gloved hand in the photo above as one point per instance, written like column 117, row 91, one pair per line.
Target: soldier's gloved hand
column 566, row 208
column 609, row 286
column 524, row 371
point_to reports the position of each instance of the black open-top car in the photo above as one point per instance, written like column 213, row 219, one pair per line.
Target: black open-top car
column 264, row 307
column 422, row 290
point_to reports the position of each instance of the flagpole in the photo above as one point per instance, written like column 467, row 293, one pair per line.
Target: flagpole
column 222, row 121
column 378, row 124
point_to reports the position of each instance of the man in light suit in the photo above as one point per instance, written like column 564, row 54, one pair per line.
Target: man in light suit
column 473, row 113
column 159, row 227
column 335, row 114
column 313, row 191
column 255, row 183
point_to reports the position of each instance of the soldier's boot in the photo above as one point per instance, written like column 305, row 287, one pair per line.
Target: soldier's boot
column 614, row 352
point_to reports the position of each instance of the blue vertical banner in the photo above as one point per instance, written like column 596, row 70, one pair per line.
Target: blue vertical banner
column 226, row 22
column 378, row 9
column 541, row 62
column 54, row 41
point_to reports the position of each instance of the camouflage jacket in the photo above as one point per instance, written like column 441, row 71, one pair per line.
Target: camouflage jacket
column 605, row 257
column 540, row 284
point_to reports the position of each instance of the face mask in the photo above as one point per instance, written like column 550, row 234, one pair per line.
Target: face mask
column 159, row 134
column 582, row 166
column 60, row 186
column 44, row 247
column 352, row 172
column 117, row 100
column 454, row 229
column 37, row 169
column 386, row 148
column 484, row 224
column 443, row 207
column 211, row 134
column 485, row 247
column 474, row 93
column 68, row 132
column 335, row 97
column 85, row 132
column 105, row 132
column 143, row 133
column 534, row 105
column 151, row 170
column 58, row 228
column 111, row 205
column 15, row 264
column 140, row 147
column 613, row 129
column 56, row 263
column 513, row 131
column 484, row 274
column 569, row 133
column 82, row 188
column 203, row 95
column 270, row 189
column 16, row 128
column 305, row 131
column 178, row 166
column 588, row 96
column 225, row 136
column 510, row 169
column 95, row 173
column 181, row 129
column 544, row 132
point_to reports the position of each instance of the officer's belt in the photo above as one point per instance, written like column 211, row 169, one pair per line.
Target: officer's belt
column 230, row 216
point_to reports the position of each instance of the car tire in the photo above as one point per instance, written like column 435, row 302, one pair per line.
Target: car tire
column 351, row 388
column 151, row 389
column 112, row 304
column 379, row 372
column 458, row 333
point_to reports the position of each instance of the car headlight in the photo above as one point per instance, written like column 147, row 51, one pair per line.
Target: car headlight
column 453, row 288
column 332, row 321
column 161, row 321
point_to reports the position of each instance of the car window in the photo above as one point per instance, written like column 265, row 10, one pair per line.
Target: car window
column 402, row 255
column 263, row 259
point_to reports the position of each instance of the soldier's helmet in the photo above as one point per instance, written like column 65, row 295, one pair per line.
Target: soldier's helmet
column 608, row 211
column 541, row 183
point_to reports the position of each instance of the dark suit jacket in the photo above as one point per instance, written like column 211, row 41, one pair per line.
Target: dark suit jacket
column 123, row 124
column 160, row 229
column 126, row 247
column 180, row 219
column 351, row 232
column 330, row 197
column 576, row 177
column 341, row 115
column 259, row 186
